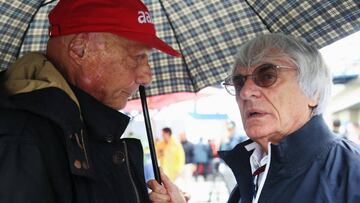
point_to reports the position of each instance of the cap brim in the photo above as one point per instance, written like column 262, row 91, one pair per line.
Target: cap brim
column 151, row 41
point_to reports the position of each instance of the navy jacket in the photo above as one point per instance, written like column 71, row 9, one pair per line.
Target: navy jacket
column 53, row 151
column 309, row 165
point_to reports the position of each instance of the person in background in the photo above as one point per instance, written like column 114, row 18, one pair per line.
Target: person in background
column 60, row 129
column 188, row 148
column 170, row 154
column 336, row 126
column 282, row 86
column 233, row 137
column 202, row 158
column 189, row 167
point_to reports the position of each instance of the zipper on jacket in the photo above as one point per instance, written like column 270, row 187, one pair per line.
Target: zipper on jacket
column 81, row 144
column 129, row 171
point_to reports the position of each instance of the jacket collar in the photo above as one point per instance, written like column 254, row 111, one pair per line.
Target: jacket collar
column 102, row 122
column 238, row 161
column 45, row 102
column 300, row 148
column 295, row 151
column 26, row 85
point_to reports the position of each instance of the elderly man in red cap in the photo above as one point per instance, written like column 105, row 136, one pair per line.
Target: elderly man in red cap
column 60, row 127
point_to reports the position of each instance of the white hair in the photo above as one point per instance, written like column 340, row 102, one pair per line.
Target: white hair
column 314, row 77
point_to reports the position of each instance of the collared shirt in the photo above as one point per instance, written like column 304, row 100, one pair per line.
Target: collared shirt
column 258, row 159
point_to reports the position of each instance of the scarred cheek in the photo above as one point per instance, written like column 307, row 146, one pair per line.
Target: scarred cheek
column 129, row 63
column 99, row 74
column 87, row 81
column 93, row 77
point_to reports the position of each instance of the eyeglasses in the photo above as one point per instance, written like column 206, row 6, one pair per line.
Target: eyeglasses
column 263, row 76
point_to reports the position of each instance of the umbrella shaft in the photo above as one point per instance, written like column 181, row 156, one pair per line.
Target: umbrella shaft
column 149, row 134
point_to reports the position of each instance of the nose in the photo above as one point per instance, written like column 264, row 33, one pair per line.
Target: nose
column 249, row 90
column 143, row 74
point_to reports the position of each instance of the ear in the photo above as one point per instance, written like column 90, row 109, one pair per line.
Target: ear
column 312, row 106
column 77, row 47
column 312, row 103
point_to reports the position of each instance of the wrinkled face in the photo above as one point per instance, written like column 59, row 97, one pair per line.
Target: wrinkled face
column 112, row 68
column 270, row 113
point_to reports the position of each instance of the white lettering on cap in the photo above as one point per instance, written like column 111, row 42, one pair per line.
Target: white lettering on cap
column 144, row 17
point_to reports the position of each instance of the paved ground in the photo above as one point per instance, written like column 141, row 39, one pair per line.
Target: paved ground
column 211, row 190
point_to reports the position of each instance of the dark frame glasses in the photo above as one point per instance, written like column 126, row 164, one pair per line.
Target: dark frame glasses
column 264, row 75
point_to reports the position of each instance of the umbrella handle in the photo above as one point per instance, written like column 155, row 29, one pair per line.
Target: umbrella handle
column 149, row 134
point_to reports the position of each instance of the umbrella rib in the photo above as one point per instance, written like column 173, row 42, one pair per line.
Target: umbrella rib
column 47, row 2
column 258, row 15
column 177, row 41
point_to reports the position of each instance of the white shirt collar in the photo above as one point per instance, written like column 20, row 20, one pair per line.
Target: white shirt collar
column 258, row 158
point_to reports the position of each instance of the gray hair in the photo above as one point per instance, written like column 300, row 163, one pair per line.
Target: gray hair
column 314, row 77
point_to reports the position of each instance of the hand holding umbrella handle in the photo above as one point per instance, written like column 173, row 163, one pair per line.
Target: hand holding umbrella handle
column 149, row 134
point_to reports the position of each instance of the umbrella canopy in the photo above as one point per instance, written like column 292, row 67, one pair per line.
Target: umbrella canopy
column 160, row 101
column 206, row 32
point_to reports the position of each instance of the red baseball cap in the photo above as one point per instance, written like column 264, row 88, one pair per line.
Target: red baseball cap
column 127, row 18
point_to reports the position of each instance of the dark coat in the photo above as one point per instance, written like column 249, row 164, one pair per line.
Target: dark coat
column 309, row 165
column 48, row 153
column 189, row 151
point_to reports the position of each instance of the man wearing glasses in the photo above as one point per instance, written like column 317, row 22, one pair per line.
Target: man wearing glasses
column 282, row 86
